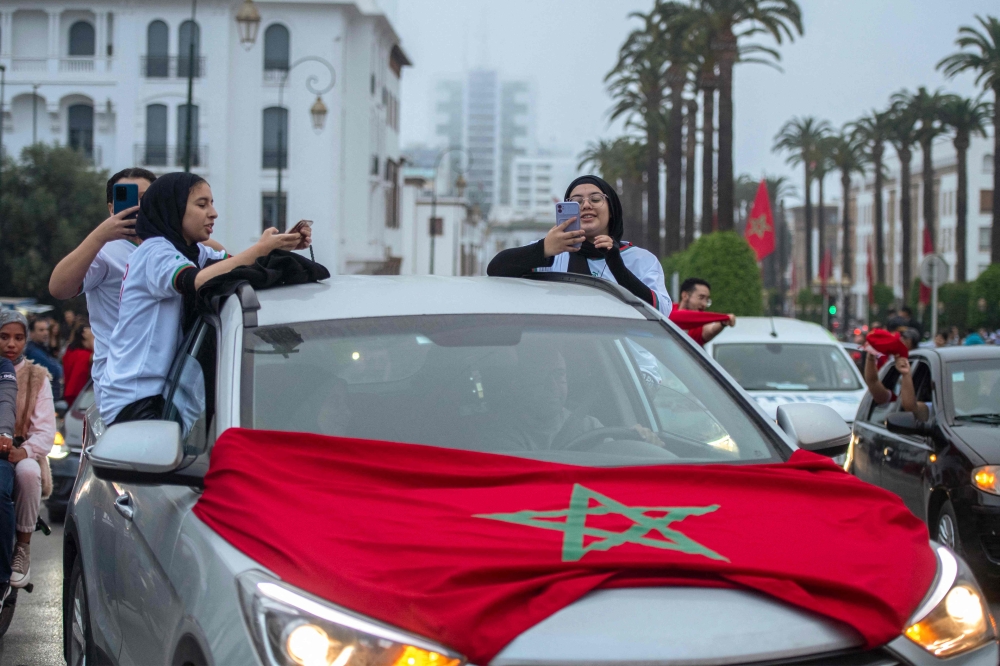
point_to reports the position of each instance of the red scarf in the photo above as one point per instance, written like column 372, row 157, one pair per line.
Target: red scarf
column 449, row 544
column 692, row 321
column 885, row 344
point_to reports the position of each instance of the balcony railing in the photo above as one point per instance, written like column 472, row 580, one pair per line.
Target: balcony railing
column 152, row 155
column 30, row 64
column 77, row 64
column 171, row 67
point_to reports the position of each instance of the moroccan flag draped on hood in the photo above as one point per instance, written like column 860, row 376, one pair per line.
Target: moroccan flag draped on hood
column 760, row 224
column 471, row 549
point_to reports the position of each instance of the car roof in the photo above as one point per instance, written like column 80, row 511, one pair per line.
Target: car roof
column 964, row 352
column 360, row 296
column 759, row 329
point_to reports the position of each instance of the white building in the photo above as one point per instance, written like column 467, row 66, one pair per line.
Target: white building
column 109, row 77
column 451, row 245
column 979, row 219
column 539, row 182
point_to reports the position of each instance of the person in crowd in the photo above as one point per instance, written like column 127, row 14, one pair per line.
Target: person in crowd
column 954, row 337
column 8, row 405
column 69, row 318
column 696, row 294
column 896, row 346
column 77, row 360
column 904, row 320
column 37, row 351
column 940, row 340
column 96, row 267
column 176, row 216
column 35, row 429
column 56, row 345
column 973, row 338
column 601, row 253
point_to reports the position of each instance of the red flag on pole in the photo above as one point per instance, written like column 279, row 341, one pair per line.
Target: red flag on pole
column 760, row 225
column 925, row 291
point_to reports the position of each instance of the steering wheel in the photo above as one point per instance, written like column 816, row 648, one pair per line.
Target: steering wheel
column 592, row 438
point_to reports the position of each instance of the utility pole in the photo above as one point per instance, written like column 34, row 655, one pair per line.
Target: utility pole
column 34, row 113
column 3, row 83
column 195, row 36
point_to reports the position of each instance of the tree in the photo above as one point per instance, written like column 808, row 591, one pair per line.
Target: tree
column 926, row 107
column 620, row 162
column 728, row 22
column 965, row 117
column 984, row 303
column 902, row 135
column 52, row 199
column 726, row 261
column 872, row 130
column 637, row 82
column 692, row 146
column 983, row 57
column 773, row 266
column 800, row 137
column 823, row 165
column 847, row 157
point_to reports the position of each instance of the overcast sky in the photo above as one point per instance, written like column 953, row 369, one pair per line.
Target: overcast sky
column 853, row 56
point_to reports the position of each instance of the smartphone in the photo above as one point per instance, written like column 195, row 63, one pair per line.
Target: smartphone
column 126, row 196
column 300, row 225
column 566, row 210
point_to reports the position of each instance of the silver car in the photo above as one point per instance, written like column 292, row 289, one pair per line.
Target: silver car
column 427, row 360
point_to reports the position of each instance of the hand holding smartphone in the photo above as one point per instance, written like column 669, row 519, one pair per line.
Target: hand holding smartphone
column 300, row 225
column 566, row 210
column 126, row 195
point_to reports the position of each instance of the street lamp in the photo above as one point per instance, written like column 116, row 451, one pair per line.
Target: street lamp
column 248, row 20
column 460, row 186
column 318, row 113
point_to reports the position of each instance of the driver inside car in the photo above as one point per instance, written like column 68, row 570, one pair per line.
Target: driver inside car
column 539, row 420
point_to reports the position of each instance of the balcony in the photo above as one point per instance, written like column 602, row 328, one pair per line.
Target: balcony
column 36, row 68
column 77, row 64
column 171, row 67
column 154, row 156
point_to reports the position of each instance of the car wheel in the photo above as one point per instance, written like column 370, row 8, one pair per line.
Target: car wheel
column 81, row 641
column 947, row 527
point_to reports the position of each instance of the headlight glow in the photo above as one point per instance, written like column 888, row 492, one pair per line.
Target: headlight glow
column 293, row 628
column 987, row 479
column 59, row 451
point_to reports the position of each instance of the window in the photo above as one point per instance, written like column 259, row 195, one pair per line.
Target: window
column 986, row 201
column 392, row 194
column 984, row 239
column 275, row 138
column 157, row 48
column 189, row 50
column 156, row 135
column 276, row 48
column 880, row 412
column 182, row 134
column 81, row 129
column 788, row 367
column 987, row 163
column 190, row 389
column 81, row 39
column 274, row 211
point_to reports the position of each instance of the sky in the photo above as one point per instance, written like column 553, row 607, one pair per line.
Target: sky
column 853, row 56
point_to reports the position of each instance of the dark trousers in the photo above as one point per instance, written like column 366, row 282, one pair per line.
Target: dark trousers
column 143, row 409
column 7, row 528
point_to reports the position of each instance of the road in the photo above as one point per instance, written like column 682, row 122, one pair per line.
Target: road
column 35, row 635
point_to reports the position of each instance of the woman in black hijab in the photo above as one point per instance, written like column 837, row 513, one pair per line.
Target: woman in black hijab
column 602, row 252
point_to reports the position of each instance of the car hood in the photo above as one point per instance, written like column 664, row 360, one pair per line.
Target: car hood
column 684, row 625
column 983, row 439
column 844, row 403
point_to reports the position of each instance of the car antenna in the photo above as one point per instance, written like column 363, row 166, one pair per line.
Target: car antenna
column 774, row 333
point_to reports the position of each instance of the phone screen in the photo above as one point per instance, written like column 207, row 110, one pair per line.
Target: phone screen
column 126, row 196
column 564, row 211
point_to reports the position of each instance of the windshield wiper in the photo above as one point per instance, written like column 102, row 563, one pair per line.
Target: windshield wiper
column 980, row 418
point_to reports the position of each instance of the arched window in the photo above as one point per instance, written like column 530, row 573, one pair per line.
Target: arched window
column 182, row 129
column 987, row 163
column 157, row 49
column 275, row 138
column 156, row 135
column 81, row 39
column 81, row 129
column 189, row 36
column 276, row 48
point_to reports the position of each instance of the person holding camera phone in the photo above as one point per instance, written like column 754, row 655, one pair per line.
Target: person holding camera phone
column 595, row 248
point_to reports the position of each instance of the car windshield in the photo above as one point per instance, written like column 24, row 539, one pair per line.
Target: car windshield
column 586, row 391
column 788, row 367
column 975, row 390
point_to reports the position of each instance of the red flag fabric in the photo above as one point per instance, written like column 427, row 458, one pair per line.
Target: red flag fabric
column 760, row 225
column 693, row 321
column 925, row 291
column 885, row 344
column 471, row 549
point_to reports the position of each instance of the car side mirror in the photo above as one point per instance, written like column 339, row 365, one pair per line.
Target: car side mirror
column 138, row 451
column 814, row 427
column 906, row 423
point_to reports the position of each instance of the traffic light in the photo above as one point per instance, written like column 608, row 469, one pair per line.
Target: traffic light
column 833, row 309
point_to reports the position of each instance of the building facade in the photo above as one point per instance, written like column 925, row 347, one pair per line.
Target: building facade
column 539, row 182
column 110, row 77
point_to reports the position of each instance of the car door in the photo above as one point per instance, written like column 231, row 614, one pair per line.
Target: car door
column 150, row 610
column 869, row 433
column 905, row 459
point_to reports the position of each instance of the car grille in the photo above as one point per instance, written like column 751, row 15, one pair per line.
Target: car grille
column 991, row 544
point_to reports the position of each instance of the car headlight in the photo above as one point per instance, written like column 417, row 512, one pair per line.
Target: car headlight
column 954, row 618
column 59, row 448
column 293, row 628
column 987, row 479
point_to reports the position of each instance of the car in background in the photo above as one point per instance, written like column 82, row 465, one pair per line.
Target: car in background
column 780, row 361
column 857, row 353
column 64, row 458
column 947, row 470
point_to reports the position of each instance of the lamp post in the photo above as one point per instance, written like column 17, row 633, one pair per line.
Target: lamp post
column 248, row 20
column 194, row 38
column 3, row 83
column 459, row 184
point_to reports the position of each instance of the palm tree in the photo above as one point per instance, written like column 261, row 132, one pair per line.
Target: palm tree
column 965, row 117
column 926, row 106
column 744, row 193
column 822, row 166
column 620, row 162
column 847, row 156
column 692, row 146
column 986, row 62
column 706, row 83
column 903, row 135
column 778, row 187
column 728, row 22
column 637, row 83
column 871, row 130
column 799, row 137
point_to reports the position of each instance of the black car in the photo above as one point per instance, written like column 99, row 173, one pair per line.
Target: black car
column 948, row 469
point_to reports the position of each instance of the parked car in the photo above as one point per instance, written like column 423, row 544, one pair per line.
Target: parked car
column 780, row 361
column 147, row 582
column 64, row 458
column 857, row 353
column 948, row 470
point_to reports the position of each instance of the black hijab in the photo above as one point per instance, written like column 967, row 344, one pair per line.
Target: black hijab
column 162, row 211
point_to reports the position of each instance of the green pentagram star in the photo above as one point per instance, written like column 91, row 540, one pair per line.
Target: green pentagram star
column 574, row 527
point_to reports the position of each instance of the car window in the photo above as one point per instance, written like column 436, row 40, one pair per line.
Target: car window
column 191, row 387
column 974, row 387
column 569, row 389
column 880, row 412
column 788, row 367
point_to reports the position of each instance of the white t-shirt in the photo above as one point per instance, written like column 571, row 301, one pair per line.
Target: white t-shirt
column 148, row 332
column 103, row 287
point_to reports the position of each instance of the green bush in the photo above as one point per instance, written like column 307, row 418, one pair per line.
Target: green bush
column 984, row 299
column 885, row 299
column 809, row 306
column 725, row 261
column 953, row 298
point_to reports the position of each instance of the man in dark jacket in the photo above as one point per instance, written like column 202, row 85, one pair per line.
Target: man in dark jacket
column 37, row 352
